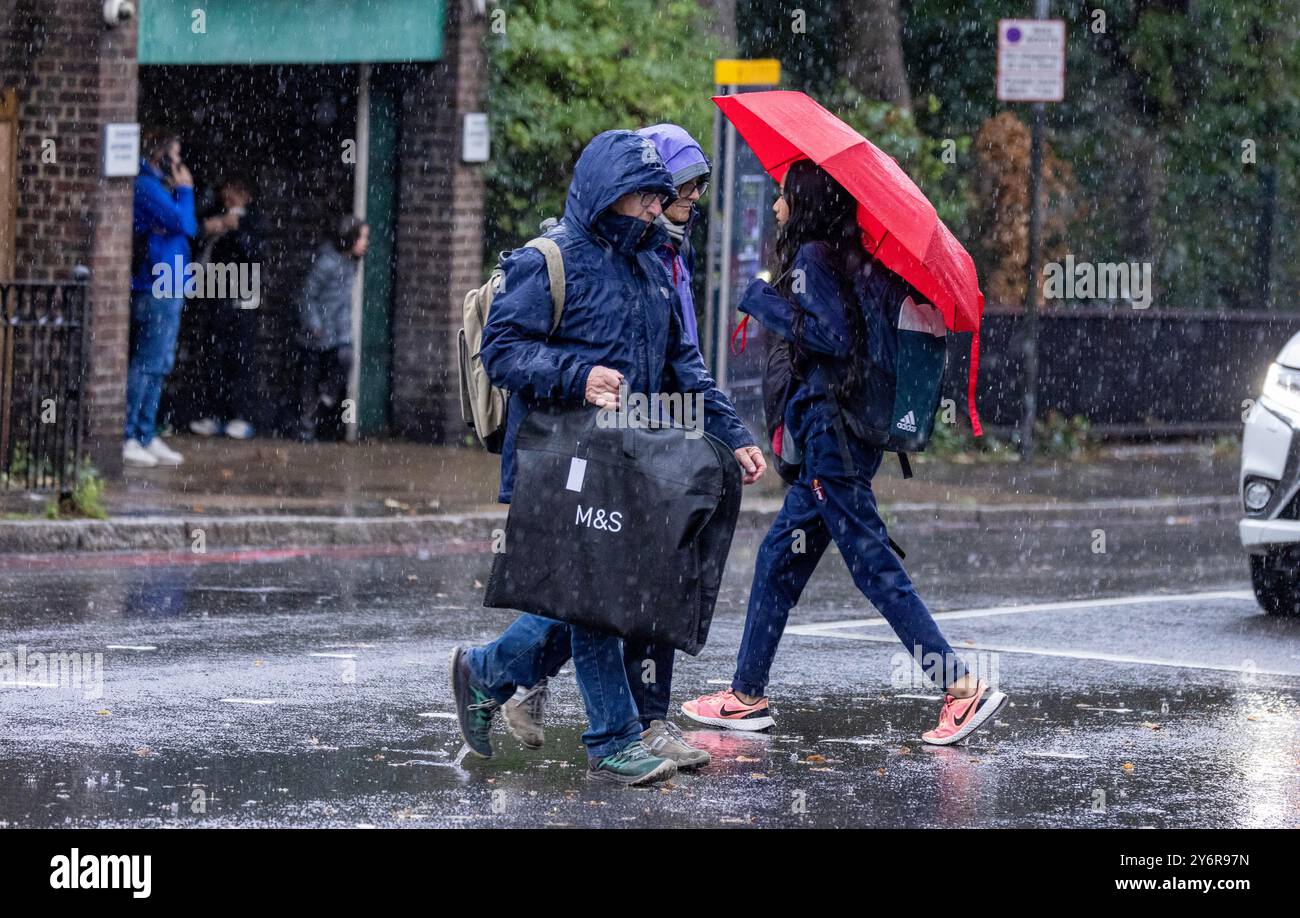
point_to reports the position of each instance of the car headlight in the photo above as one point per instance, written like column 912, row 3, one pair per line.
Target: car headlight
column 1257, row 495
column 1283, row 388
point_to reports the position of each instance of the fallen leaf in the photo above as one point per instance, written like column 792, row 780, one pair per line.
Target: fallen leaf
column 1128, row 766
column 105, row 713
column 758, row 777
column 816, row 758
column 1151, row 726
column 904, row 750
column 746, row 758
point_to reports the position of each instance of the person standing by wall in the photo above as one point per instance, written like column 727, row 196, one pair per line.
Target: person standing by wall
column 163, row 223
column 325, row 314
column 232, row 235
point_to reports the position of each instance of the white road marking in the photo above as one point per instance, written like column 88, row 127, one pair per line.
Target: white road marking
column 335, row 656
column 1070, row 654
column 129, row 647
column 250, row 700
column 1070, row 605
column 25, row 684
column 437, row 715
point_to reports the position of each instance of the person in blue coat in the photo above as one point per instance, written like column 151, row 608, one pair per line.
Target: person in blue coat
column 827, row 299
column 649, row 666
column 163, row 224
column 621, row 332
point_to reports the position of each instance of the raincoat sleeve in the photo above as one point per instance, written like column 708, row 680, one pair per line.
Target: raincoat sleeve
column 156, row 207
column 517, row 350
column 686, row 367
column 311, row 312
column 817, row 292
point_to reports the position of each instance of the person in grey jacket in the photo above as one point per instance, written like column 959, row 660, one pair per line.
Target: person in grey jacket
column 325, row 314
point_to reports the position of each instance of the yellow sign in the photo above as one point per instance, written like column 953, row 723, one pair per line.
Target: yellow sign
column 764, row 72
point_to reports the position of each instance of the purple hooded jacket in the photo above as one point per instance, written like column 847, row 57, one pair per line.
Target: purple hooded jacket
column 685, row 159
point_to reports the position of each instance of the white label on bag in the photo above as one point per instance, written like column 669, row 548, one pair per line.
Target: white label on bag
column 577, row 472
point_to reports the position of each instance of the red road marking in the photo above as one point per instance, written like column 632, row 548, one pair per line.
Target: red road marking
column 185, row 558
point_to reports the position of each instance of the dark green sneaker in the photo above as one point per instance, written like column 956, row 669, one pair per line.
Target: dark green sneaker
column 632, row 765
column 474, row 707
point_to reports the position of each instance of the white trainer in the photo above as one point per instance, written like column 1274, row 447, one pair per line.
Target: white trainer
column 163, row 453
column 134, row 454
column 205, row 427
column 239, row 429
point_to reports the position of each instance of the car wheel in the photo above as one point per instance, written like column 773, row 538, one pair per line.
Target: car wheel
column 1278, row 592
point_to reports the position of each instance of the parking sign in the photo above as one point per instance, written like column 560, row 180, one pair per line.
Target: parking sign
column 1031, row 60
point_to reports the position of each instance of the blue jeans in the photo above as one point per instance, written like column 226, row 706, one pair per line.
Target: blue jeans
column 830, row 502
column 534, row 647
column 154, row 326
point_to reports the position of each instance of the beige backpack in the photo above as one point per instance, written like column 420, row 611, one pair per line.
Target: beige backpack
column 483, row 405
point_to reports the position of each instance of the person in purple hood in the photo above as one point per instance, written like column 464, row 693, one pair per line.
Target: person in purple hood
column 685, row 159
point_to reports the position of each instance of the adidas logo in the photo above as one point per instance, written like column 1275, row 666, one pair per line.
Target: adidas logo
column 907, row 422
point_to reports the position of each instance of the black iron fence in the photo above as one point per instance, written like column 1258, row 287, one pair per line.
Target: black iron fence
column 44, row 340
column 1130, row 372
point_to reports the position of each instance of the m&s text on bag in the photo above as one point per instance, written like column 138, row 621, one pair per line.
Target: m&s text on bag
column 598, row 518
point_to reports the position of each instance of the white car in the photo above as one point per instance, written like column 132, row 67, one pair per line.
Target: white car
column 1270, row 486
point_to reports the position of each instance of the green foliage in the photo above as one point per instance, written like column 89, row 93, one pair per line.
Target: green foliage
column 1156, row 111
column 1060, row 436
column 564, row 71
column 86, row 500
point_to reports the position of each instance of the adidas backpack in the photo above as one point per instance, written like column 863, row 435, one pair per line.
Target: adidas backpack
column 483, row 405
column 907, row 348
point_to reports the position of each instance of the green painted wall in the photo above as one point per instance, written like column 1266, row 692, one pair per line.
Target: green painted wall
column 290, row 31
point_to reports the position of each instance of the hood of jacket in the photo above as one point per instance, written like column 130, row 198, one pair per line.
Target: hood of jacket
column 615, row 163
column 682, row 155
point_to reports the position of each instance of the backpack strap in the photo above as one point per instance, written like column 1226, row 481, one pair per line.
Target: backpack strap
column 554, row 273
column 905, row 464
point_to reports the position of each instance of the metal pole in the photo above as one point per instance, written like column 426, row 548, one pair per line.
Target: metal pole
column 713, row 247
column 1030, row 321
column 361, row 185
column 723, row 316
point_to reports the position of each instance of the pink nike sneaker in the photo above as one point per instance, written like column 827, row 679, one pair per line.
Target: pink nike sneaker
column 724, row 709
column 960, row 717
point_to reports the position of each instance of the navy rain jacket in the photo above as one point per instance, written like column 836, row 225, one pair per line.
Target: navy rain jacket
column 620, row 311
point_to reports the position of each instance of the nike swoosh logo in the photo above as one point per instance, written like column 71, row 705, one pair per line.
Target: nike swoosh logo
column 957, row 722
column 725, row 713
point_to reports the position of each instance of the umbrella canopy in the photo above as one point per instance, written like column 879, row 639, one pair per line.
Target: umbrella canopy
column 899, row 225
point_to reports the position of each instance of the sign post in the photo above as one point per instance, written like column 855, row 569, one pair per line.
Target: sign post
column 1031, row 68
column 738, row 213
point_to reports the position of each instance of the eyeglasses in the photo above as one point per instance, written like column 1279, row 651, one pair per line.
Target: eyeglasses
column 697, row 185
column 649, row 197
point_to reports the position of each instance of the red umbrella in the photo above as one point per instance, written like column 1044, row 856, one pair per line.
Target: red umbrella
column 899, row 225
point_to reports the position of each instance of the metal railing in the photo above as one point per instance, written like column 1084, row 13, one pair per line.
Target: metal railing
column 44, row 343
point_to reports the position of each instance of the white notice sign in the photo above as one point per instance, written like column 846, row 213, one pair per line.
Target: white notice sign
column 1031, row 60
column 474, row 141
column 121, row 149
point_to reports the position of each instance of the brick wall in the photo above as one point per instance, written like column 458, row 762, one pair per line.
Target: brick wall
column 73, row 75
column 439, row 230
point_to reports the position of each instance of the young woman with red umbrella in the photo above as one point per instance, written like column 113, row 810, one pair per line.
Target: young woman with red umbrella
column 829, row 295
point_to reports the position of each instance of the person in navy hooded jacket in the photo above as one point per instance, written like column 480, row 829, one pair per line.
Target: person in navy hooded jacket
column 525, row 714
column 621, row 331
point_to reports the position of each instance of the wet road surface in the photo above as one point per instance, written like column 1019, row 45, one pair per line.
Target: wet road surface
column 309, row 688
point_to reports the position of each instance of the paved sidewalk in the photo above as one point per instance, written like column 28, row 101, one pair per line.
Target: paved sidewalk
column 277, row 493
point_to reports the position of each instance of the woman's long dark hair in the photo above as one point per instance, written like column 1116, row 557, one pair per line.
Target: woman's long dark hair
column 822, row 211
